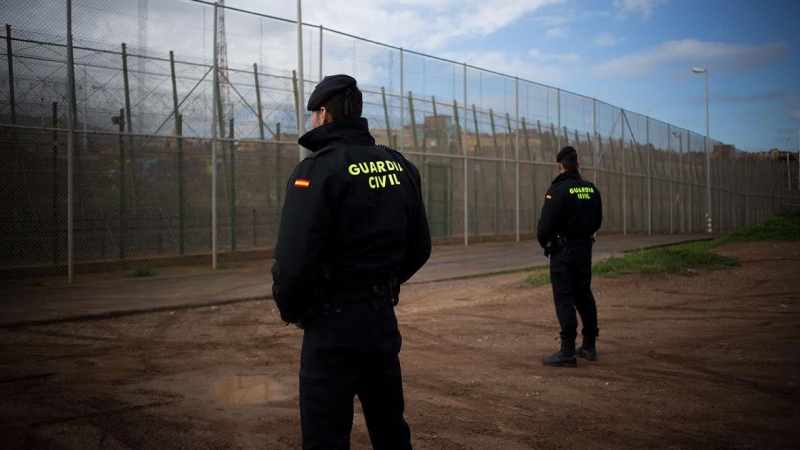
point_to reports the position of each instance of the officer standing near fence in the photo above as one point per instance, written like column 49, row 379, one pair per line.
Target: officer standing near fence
column 571, row 215
column 353, row 230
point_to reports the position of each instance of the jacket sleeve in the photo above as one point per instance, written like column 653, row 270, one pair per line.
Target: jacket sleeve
column 549, row 220
column 302, row 238
column 418, row 243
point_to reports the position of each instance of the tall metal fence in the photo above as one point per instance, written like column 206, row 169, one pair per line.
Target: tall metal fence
column 145, row 186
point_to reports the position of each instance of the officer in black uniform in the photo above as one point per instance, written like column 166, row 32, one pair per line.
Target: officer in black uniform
column 353, row 230
column 571, row 215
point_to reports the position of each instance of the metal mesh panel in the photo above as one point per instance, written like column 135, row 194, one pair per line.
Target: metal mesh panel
column 144, row 133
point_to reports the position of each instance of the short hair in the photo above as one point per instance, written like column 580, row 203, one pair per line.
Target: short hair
column 570, row 161
column 338, row 106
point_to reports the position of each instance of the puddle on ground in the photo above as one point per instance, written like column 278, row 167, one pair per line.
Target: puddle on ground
column 250, row 390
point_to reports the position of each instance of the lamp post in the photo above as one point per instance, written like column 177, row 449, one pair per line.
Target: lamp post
column 708, row 156
column 301, row 113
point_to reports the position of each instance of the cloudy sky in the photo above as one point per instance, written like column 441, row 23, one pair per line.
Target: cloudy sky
column 635, row 54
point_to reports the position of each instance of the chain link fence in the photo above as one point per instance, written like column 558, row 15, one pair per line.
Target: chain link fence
column 149, row 116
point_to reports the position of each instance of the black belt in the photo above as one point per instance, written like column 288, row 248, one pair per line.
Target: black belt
column 577, row 240
column 348, row 294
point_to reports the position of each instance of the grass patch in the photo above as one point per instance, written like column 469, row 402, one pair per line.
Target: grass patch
column 688, row 258
column 683, row 259
column 785, row 226
column 536, row 280
column 143, row 271
column 229, row 265
column 35, row 283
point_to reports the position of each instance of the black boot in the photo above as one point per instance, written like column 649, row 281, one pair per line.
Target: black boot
column 588, row 349
column 564, row 357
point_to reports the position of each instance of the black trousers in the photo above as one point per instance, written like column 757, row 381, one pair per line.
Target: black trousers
column 352, row 350
column 571, row 276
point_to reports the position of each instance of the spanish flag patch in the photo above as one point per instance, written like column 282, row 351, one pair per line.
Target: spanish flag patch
column 301, row 183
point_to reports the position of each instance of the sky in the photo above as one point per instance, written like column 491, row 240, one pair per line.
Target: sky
column 634, row 54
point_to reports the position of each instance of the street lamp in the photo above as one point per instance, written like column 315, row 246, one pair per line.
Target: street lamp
column 708, row 157
column 301, row 110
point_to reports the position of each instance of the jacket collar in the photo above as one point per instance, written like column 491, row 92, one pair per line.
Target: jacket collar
column 571, row 174
column 348, row 131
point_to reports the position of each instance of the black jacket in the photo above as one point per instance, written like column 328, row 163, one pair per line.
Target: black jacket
column 353, row 217
column 572, row 209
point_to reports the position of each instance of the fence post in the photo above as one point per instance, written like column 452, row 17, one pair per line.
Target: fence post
column 496, row 220
column 123, row 219
column 691, row 177
column 422, row 168
column 464, row 155
column 516, row 164
column 541, row 138
column 70, row 148
column 649, row 179
column 436, row 124
column 475, row 222
column 178, row 133
column 516, row 146
column 558, row 92
column 386, row 118
column 759, row 192
column 54, row 176
column 402, row 107
column 681, row 186
column 214, row 125
column 181, row 189
column 413, row 125
column 129, row 123
column 734, row 214
column 532, row 159
column 15, row 156
column 232, row 188
column 466, row 164
column 261, row 134
column 594, row 141
column 278, row 151
column 746, row 195
column 669, row 169
column 296, row 99
column 624, row 179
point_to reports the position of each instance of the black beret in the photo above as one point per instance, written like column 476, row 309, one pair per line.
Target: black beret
column 568, row 150
column 327, row 88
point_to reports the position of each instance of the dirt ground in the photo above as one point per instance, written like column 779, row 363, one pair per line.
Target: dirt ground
column 709, row 361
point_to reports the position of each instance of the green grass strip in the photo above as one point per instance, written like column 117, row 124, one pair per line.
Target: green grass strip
column 688, row 258
column 683, row 259
column 783, row 227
